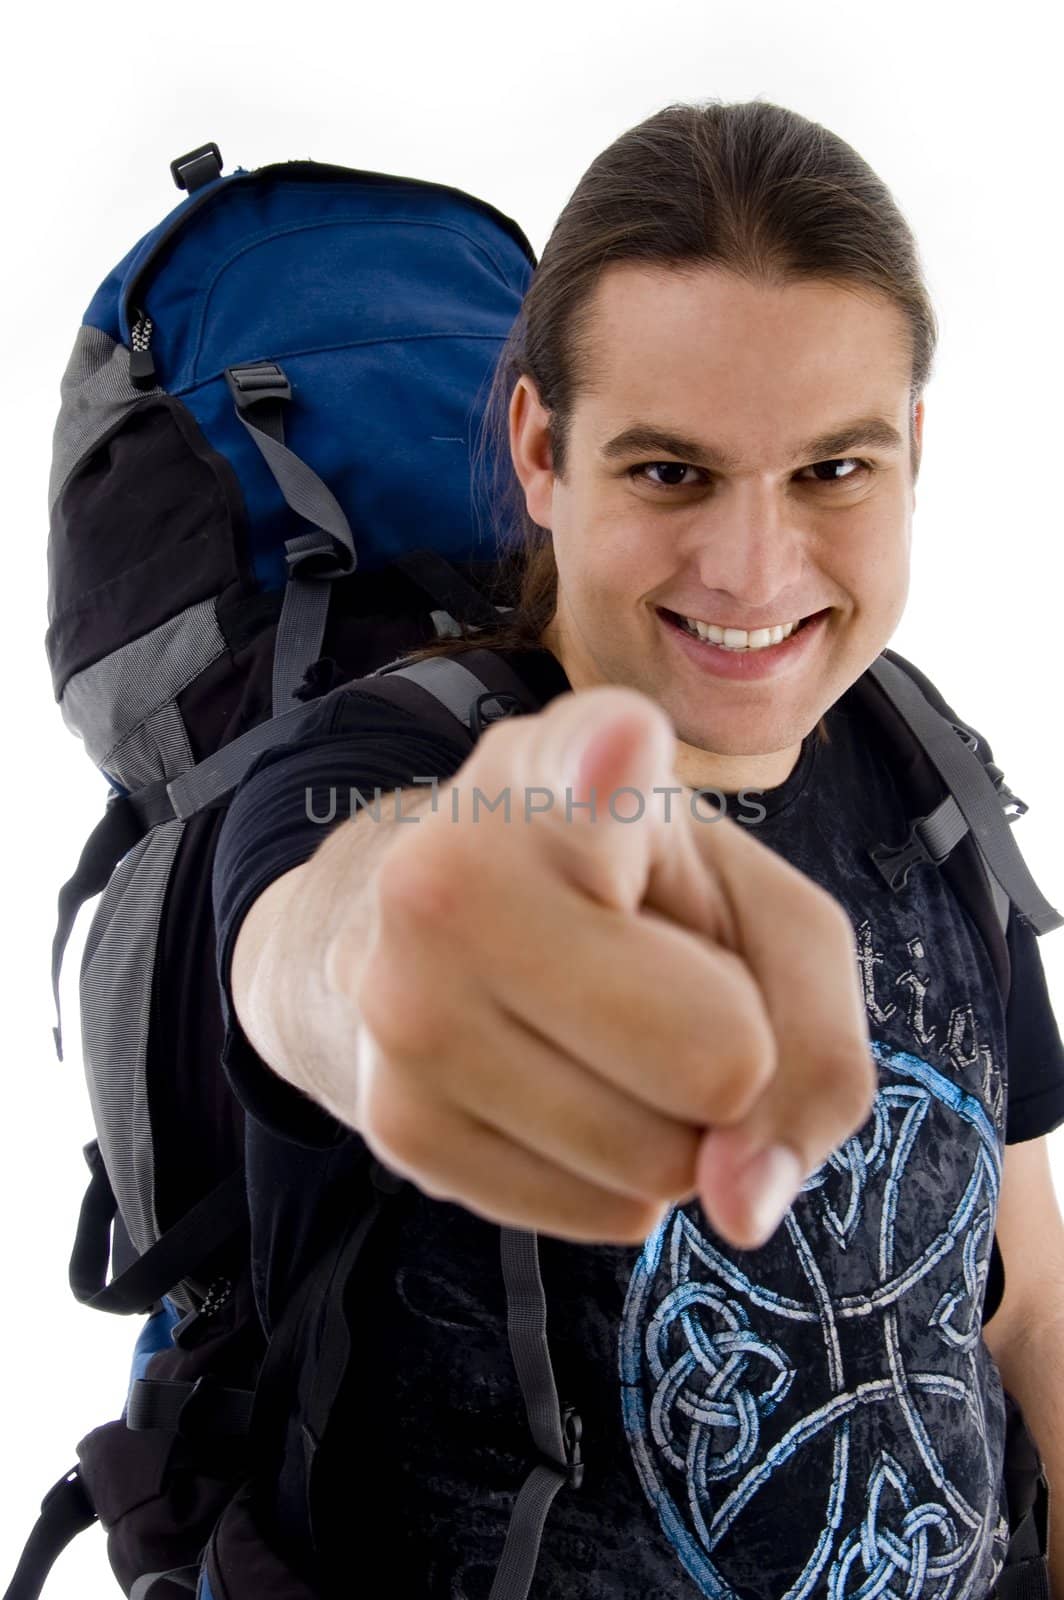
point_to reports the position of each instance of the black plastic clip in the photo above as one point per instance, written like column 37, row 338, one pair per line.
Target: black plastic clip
column 896, row 862
column 1011, row 804
column 259, row 380
column 481, row 715
column 572, row 1433
column 200, row 166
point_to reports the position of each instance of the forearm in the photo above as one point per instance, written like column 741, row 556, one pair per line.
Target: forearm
column 1031, row 1365
column 280, row 977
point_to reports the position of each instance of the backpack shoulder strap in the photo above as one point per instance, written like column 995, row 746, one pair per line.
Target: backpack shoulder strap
column 463, row 693
column 977, row 802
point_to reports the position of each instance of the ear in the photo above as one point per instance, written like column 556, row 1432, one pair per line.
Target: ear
column 530, row 450
column 918, row 438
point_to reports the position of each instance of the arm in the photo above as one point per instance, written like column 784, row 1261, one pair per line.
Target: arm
column 289, row 1015
column 1026, row 1334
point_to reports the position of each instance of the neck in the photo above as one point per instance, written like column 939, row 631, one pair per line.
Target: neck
column 704, row 769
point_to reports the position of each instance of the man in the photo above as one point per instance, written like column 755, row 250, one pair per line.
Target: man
column 754, row 1102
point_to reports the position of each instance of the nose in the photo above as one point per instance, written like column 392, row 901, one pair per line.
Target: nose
column 749, row 548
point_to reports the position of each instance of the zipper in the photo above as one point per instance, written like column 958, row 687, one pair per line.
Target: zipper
column 141, row 361
column 142, row 372
column 195, row 1326
column 218, row 1294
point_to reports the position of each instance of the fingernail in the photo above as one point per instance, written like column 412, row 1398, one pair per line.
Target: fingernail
column 770, row 1183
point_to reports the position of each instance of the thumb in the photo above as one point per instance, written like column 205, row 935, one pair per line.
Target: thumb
column 613, row 747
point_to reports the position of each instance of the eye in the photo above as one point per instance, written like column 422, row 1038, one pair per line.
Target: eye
column 669, row 466
column 858, row 471
column 861, row 469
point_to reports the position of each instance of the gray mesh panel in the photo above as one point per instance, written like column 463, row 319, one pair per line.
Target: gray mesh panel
column 159, row 748
column 114, row 698
column 94, row 393
column 116, row 983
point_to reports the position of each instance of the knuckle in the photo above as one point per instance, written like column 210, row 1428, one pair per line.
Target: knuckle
column 832, row 918
column 399, row 1011
column 864, row 1081
column 595, row 1217
column 397, row 1129
column 669, row 1172
column 631, row 1222
column 416, row 886
column 657, row 1168
column 736, row 1068
column 845, row 1086
column 737, row 1084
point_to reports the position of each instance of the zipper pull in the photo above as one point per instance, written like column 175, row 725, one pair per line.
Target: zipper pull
column 141, row 363
column 194, row 1327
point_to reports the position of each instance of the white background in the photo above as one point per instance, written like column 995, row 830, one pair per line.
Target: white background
column 956, row 108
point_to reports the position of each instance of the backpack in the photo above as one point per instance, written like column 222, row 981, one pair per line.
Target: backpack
column 284, row 380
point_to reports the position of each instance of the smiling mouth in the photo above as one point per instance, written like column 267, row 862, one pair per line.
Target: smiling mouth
column 680, row 621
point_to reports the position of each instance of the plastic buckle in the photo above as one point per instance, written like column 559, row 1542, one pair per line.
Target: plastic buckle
column 200, row 166
column 316, row 555
column 192, row 1406
column 895, row 864
column 259, row 380
column 572, row 1433
column 1011, row 804
column 480, row 716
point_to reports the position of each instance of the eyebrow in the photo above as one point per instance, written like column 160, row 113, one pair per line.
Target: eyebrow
column 865, row 433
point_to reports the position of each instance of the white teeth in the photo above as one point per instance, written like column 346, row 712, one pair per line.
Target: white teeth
column 739, row 638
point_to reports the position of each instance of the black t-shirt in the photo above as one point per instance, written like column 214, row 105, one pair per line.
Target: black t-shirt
column 797, row 1418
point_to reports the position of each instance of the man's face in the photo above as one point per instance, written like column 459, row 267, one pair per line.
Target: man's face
column 745, row 522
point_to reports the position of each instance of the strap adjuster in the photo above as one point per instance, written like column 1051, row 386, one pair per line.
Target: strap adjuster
column 493, row 707
column 316, row 555
column 258, row 381
column 572, row 1433
column 896, row 862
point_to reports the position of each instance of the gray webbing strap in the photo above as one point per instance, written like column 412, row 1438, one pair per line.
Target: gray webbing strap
column 452, row 684
column 300, row 631
column 447, row 680
column 304, row 491
column 516, row 1569
column 946, row 827
column 184, row 1577
column 973, row 791
column 259, row 391
column 192, row 790
column 526, row 1320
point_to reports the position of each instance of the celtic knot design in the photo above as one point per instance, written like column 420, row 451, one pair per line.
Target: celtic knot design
column 706, row 1405
column 848, row 1170
column 967, row 1291
column 762, row 1391
column 892, row 1558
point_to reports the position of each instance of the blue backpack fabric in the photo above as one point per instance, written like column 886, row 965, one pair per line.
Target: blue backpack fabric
column 265, row 465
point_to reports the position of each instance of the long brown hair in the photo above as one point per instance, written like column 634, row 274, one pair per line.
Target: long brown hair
column 749, row 187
